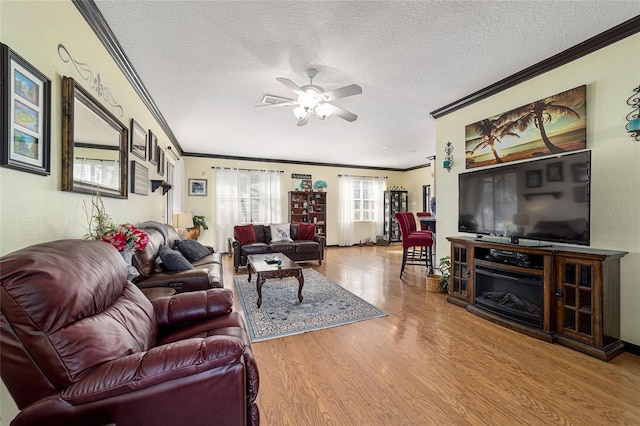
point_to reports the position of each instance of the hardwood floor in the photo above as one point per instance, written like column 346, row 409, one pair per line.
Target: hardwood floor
column 430, row 362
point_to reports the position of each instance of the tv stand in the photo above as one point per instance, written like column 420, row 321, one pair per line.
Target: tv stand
column 563, row 294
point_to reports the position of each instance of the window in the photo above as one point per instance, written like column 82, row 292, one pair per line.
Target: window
column 364, row 200
column 245, row 196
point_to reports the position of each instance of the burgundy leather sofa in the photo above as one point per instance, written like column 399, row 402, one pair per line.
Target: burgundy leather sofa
column 81, row 345
column 207, row 272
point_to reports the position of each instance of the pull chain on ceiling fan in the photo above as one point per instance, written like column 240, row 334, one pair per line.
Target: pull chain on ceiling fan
column 313, row 100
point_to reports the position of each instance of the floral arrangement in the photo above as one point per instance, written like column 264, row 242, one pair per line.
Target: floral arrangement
column 126, row 236
column 100, row 227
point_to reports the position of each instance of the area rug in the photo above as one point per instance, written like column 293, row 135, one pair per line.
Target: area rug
column 325, row 304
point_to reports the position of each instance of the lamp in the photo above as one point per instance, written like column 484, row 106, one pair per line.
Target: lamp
column 323, row 110
column 633, row 118
column 520, row 220
column 182, row 221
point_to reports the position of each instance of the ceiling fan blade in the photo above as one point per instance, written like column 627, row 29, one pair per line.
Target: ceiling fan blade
column 303, row 121
column 291, row 85
column 343, row 92
column 278, row 104
column 342, row 113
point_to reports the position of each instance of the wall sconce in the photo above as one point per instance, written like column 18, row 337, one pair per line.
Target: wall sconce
column 633, row 118
column 155, row 184
column 448, row 159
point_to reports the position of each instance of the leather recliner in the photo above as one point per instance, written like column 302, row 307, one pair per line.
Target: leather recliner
column 81, row 345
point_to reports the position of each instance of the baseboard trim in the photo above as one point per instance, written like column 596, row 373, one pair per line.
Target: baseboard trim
column 631, row 348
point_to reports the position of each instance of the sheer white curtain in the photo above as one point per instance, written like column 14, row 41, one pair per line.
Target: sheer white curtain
column 380, row 187
column 245, row 196
column 228, row 206
column 346, row 210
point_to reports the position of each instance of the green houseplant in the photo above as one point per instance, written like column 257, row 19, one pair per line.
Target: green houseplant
column 445, row 269
column 198, row 224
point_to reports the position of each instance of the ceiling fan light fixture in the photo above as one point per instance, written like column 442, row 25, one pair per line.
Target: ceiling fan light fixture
column 323, row 110
column 300, row 112
column 307, row 101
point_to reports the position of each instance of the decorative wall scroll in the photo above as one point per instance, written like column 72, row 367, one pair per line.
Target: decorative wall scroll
column 94, row 81
column 25, row 126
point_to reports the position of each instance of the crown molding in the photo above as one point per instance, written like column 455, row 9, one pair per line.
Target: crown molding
column 90, row 12
column 617, row 33
column 302, row 163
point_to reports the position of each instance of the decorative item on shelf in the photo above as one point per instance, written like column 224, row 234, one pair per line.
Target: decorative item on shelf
column 633, row 118
column 320, row 185
column 182, row 222
column 198, row 222
column 433, row 205
column 157, row 183
column 448, row 159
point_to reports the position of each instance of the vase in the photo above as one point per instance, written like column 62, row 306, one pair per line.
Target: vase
column 127, row 255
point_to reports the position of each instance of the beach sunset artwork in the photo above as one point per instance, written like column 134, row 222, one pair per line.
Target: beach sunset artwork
column 550, row 125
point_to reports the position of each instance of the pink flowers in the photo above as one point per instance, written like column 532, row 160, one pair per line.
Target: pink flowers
column 126, row 236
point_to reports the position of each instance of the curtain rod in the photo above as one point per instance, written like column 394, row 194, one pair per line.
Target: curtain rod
column 247, row 170
column 367, row 177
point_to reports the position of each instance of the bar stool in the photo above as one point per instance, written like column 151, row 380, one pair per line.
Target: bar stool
column 412, row 238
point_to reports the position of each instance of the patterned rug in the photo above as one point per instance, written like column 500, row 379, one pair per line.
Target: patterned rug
column 325, row 304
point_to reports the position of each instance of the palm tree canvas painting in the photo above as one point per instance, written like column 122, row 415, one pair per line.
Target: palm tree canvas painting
column 550, row 125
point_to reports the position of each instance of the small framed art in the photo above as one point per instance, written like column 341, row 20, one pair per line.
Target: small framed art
column 554, row 172
column 534, row 178
column 153, row 148
column 138, row 140
column 139, row 179
column 160, row 161
column 198, row 187
column 26, row 121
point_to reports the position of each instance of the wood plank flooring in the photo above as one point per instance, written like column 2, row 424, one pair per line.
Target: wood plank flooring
column 430, row 362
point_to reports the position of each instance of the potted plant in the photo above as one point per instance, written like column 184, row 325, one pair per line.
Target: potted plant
column 445, row 269
column 198, row 223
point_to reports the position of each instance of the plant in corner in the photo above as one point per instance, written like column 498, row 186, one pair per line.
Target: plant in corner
column 445, row 269
column 198, row 222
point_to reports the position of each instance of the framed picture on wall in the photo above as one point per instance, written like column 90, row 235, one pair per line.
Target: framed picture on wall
column 533, row 178
column 25, row 125
column 160, row 161
column 139, row 179
column 554, row 172
column 138, row 140
column 153, row 148
column 198, row 187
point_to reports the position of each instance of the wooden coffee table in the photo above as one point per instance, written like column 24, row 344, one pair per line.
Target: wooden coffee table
column 288, row 268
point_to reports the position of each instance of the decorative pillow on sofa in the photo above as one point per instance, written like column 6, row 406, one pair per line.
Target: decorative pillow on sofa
column 192, row 250
column 173, row 260
column 244, row 234
column 306, row 231
column 281, row 232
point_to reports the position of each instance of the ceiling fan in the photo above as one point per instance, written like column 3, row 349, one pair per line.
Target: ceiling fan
column 313, row 100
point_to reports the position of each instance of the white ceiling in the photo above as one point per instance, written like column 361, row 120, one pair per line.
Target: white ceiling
column 207, row 64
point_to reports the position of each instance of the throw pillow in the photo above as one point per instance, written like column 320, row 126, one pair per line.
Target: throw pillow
column 244, row 234
column 281, row 232
column 306, row 231
column 192, row 250
column 173, row 260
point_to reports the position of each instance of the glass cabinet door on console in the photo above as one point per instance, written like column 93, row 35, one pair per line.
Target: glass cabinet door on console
column 577, row 314
column 459, row 283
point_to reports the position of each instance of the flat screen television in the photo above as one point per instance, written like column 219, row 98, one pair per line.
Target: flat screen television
column 541, row 200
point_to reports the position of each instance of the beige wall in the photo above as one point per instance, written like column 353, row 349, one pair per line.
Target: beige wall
column 201, row 168
column 610, row 75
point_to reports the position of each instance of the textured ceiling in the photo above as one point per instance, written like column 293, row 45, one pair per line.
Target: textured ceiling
column 207, row 64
